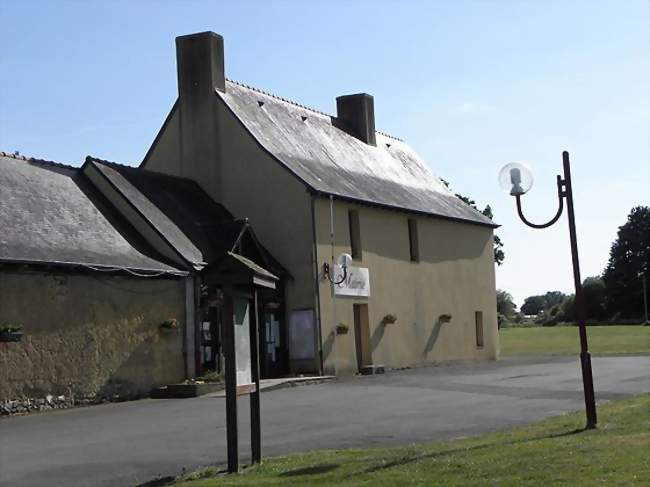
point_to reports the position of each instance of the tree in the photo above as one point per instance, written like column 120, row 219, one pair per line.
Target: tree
column 499, row 254
column 533, row 305
column 628, row 259
column 553, row 298
column 505, row 304
column 593, row 296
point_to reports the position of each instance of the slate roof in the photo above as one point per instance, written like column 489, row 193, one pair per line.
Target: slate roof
column 252, row 266
column 330, row 161
column 49, row 213
column 201, row 230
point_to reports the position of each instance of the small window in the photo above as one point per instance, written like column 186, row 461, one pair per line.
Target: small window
column 413, row 240
column 479, row 329
column 355, row 234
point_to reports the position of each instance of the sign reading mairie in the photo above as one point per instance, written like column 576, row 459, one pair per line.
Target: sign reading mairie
column 356, row 283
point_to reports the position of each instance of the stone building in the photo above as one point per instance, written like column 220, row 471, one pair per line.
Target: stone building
column 422, row 257
column 113, row 274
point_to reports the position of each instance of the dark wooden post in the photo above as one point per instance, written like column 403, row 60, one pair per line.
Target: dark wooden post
column 256, row 431
column 228, row 331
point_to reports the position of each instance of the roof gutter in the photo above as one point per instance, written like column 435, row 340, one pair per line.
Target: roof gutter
column 135, row 271
column 325, row 194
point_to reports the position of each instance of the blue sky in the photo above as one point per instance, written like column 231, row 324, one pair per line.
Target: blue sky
column 470, row 85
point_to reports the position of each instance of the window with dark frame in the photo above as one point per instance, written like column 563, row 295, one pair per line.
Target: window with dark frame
column 413, row 240
column 355, row 234
column 479, row 329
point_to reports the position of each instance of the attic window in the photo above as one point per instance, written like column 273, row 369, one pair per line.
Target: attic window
column 355, row 234
column 260, row 103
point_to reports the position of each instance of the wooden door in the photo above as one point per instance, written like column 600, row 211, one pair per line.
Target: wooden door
column 362, row 336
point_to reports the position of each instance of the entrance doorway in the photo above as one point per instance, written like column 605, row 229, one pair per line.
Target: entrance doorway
column 362, row 336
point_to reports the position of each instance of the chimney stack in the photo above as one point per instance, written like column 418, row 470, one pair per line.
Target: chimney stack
column 356, row 115
column 199, row 60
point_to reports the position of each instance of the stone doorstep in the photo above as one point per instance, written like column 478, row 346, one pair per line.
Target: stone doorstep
column 372, row 370
column 175, row 391
column 216, row 389
column 267, row 385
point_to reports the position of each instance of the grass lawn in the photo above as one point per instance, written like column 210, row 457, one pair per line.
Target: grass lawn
column 564, row 340
column 554, row 451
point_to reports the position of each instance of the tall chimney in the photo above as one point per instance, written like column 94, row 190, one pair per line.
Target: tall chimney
column 200, row 66
column 356, row 115
column 199, row 60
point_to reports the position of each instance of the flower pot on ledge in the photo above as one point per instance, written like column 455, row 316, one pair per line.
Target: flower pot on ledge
column 11, row 336
column 342, row 329
column 169, row 326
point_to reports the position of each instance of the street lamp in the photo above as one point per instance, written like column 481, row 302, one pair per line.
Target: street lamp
column 517, row 178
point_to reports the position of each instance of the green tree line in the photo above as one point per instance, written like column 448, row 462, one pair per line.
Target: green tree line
column 617, row 294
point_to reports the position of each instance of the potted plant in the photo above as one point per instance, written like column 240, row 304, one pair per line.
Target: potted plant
column 169, row 325
column 444, row 318
column 342, row 329
column 389, row 319
column 11, row 333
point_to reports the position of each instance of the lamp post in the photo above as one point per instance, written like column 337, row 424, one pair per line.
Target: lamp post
column 645, row 299
column 518, row 179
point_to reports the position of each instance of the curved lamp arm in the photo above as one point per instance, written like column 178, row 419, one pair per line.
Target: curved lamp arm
column 329, row 277
column 560, row 197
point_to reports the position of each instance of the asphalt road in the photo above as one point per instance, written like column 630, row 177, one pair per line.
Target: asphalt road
column 133, row 442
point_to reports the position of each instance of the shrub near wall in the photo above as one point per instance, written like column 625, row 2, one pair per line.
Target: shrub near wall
column 87, row 337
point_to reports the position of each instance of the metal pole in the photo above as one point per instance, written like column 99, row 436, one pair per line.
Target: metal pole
column 585, row 357
column 228, row 328
column 256, row 430
column 645, row 300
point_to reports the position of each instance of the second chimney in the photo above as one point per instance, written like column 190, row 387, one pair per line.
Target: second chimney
column 356, row 115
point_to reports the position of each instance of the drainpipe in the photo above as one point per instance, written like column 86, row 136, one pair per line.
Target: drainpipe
column 317, row 286
column 189, row 340
column 332, row 283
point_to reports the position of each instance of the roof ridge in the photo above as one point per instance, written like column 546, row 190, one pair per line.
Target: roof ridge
column 105, row 161
column 299, row 105
column 21, row 157
column 268, row 93
column 142, row 170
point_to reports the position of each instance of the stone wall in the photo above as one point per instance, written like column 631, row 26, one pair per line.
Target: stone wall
column 88, row 336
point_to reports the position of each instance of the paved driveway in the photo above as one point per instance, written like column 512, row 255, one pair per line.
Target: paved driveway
column 130, row 443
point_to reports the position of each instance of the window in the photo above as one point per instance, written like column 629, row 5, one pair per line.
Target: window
column 413, row 240
column 355, row 234
column 479, row 329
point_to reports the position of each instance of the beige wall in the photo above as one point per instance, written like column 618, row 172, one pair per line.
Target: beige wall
column 455, row 276
column 89, row 334
column 253, row 185
column 166, row 152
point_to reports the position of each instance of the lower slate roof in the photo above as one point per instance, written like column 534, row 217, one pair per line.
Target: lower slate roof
column 181, row 212
column 332, row 162
column 201, row 230
column 49, row 213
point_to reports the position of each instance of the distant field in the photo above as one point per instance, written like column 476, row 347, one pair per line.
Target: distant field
column 564, row 340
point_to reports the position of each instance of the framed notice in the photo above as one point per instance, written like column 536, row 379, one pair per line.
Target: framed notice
column 302, row 335
column 242, row 341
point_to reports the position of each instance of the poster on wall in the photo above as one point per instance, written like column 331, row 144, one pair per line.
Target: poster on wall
column 356, row 282
column 302, row 335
